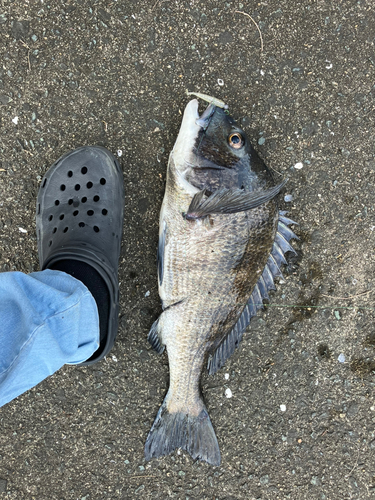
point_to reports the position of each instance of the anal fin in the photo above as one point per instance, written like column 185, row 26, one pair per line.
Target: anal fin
column 154, row 337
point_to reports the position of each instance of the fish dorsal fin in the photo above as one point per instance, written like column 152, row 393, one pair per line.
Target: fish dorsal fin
column 265, row 283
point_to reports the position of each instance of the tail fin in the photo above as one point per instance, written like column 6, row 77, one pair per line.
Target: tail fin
column 180, row 430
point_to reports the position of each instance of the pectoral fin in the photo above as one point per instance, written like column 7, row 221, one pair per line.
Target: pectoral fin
column 229, row 201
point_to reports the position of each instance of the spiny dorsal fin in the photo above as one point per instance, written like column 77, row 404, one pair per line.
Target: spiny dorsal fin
column 265, row 283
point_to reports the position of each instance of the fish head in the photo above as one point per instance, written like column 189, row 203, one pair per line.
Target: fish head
column 212, row 151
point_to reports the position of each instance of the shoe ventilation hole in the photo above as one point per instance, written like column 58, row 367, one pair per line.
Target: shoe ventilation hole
column 38, row 208
column 89, row 185
column 57, row 202
column 76, row 212
column 102, row 181
column 50, row 218
column 62, row 217
column 84, row 199
column 62, row 187
column 104, row 211
column 77, row 187
column 70, row 202
column 81, row 224
column 44, row 183
column 96, row 229
column 65, row 229
column 54, row 230
column 50, row 243
column 70, row 173
column 90, row 212
column 96, row 198
column 84, row 170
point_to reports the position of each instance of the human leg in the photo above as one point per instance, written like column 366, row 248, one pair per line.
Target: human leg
column 51, row 314
column 47, row 319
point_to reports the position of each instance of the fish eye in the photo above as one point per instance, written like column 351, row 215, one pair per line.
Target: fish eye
column 236, row 140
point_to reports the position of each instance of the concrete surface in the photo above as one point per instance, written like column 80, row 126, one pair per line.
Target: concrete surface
column 115, row 73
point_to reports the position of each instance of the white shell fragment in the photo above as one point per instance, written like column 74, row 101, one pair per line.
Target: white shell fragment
column 341, row 358
column 288, row 198
column 226, row 376
column 282, row 407
column 22, row 230
column 298, row 165
column 119, row 152
column 228, row 393
column 220, row 82
column 15, row 120
column 147, row 294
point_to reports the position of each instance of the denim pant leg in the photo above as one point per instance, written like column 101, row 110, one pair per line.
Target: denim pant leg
column 47, row 319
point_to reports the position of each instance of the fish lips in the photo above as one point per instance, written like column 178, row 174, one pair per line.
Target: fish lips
column 204, row 120
column 191, row 117
column 192, row 125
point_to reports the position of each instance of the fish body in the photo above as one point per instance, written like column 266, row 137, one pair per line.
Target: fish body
column 219, row 224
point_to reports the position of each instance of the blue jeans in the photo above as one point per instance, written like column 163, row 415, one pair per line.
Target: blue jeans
column 47, row 319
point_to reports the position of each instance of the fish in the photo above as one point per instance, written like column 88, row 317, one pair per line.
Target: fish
column 222, row 242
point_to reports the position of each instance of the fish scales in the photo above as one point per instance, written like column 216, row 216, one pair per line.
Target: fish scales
column 218, row 224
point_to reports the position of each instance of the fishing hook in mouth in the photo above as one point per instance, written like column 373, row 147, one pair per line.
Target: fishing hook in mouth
column 205, row 118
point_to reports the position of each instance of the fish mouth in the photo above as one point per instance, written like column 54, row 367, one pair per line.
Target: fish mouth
column 204, row 120
column 192, row 125
column 192, row 118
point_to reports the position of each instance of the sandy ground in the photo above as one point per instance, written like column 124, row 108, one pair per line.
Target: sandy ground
column 115, row 73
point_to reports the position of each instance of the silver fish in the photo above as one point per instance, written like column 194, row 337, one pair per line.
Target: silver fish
column 222, row 241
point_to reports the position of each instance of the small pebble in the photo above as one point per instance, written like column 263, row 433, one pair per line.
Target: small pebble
column 337, row 315
column 147, row 294
column 220, row 82
column 341, row 358
column 228, row 393
column 298, row 165
column 261, row 141
column 288, row 198
column 282, row 407
column 226, row 376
